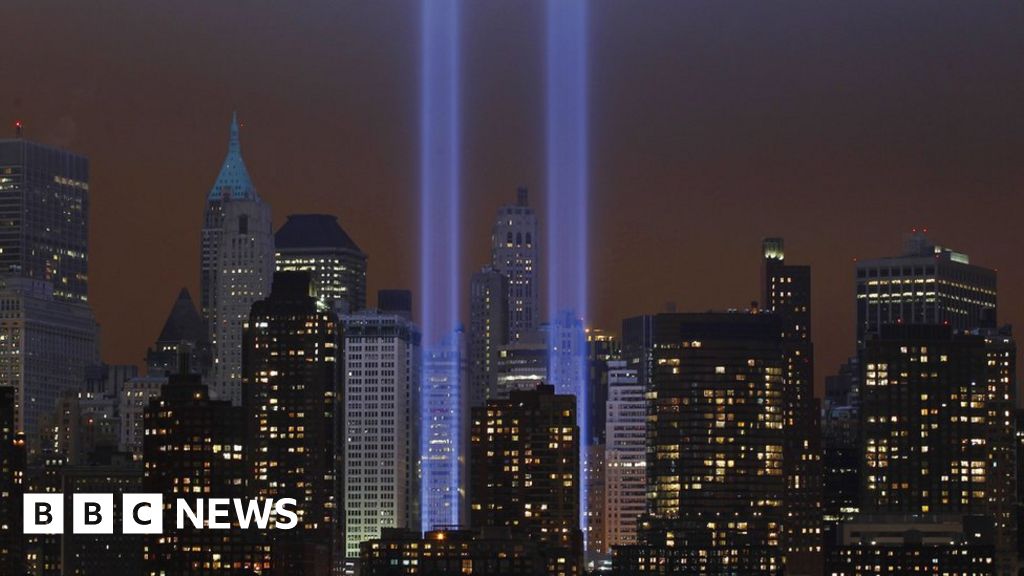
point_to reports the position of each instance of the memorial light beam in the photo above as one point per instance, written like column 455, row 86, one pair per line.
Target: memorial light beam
column 442, row 401
column 567, row 186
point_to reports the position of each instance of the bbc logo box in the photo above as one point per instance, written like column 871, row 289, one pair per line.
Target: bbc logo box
column 92, row 514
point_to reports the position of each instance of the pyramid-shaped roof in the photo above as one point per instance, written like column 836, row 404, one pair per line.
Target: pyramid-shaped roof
column 184, row 324
column 313, row 231
column 233, row 180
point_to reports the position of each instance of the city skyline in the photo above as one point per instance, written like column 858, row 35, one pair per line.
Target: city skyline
column 796, row 162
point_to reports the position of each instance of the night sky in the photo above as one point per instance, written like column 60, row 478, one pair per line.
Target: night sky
column 838, row 125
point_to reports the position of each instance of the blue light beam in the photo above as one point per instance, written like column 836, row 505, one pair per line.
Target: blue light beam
column 441, row 444
column 567, row 185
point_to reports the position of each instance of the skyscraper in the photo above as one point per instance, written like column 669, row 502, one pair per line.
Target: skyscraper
column 625, row 455
column 46, row 346
column 44, row 217
column 236, row 265
column 317, row 244
column 290, row 399
column 488, row 331
column 195, row 449
column 602, row 348
column 514, row 252
column 444, row 433
column 382, row 425
column 526, row 453
column 715, row 436
column 938, row 428
column 183, row 332
column 786, row 292
column 927, row 284
column 12, row 485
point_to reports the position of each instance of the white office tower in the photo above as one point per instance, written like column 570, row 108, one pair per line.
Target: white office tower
column 625, row 468
column 381, row 444
column 514, row 251
column 237, row 266
column 46, row 345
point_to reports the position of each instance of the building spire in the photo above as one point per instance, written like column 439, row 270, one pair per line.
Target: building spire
column 234, row 142
column 233, row 181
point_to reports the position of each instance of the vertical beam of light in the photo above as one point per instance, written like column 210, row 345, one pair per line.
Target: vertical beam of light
column 566, row 92
column 441, row 446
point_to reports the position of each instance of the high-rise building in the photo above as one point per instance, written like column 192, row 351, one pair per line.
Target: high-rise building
column 46, row 347
column 317, row 244
column 514, row 253
column 594, row 507
column 133, row 400
column 715, row 436
column 183, row 332
column 382, row 425
column 444, row 434
column 116, row 553
column 927, row 284
column 786, row 292
column 194, row 448
column 938, row 428
column 637, row 347
column 487, row 552
column 488, row 331
column 525, row 476
column 625, row 458
column 289, row 395
column 236, row 265
column 12, row 485
column 44, row 217
column 522, row 364
column 602, row 348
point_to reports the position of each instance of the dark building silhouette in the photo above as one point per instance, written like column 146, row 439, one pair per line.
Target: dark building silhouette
column 184, row 331
column 395, row 301
column 44, row 205
column 117, row 553
column 786, row 292
column 488, row 331
column 317, row 244
column 12, row 486
column 290, row 399
column 902, row 545
column 601, row 348
column 938, row 429
column 715, row 440
column 194, row 449
column 488, row 552
column 525, row 473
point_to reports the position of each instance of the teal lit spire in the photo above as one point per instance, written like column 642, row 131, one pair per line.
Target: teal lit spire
column 233, row 180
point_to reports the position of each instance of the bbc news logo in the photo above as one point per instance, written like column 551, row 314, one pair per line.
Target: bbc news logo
column 143, row 514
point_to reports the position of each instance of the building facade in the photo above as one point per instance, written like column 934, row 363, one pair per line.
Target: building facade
column 382, row 425
column 786, row 293
column 526, row 473
column 488, row 331
column 625, row 457
column 194, row 448
column 46, row 347
column 715, row 437
column 317, row 244
column 44, row 217
column 290, row 400
column 927, row 284
column 514, row 253
column 938, row 428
